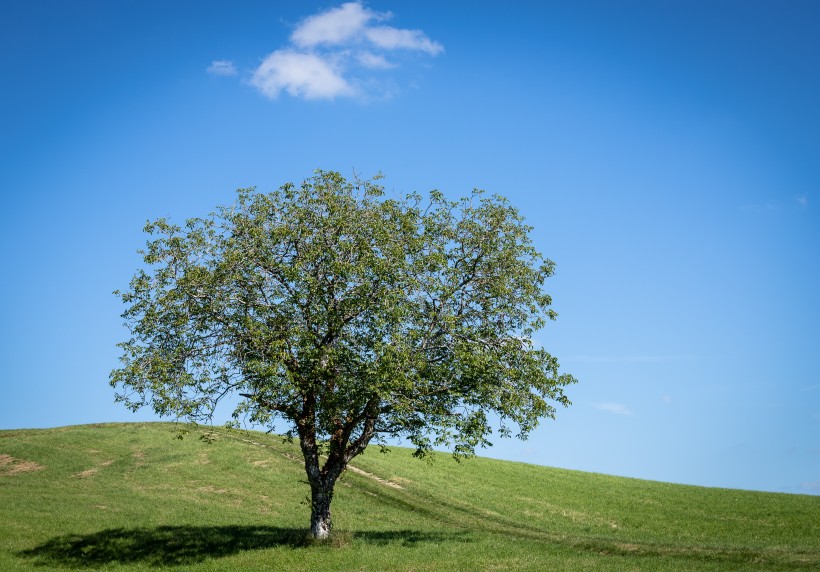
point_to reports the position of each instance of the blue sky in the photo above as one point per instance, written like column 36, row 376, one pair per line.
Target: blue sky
column 666, row 153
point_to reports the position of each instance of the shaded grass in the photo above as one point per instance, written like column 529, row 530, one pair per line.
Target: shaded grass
column 131, row 496
column 177, row 545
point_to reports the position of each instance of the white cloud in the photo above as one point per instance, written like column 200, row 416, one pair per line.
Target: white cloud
column 759, row 207
column 392, row 39
column 616, row 408
column 300, row 75
column 812, row 487
column 222, row 68
column 801, row 200
column 341, row 52
column 333, row 27
column 666, row 399
column 631, row 358
column 373, row 61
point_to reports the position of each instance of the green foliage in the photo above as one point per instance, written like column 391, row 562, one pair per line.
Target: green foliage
column 350, row 315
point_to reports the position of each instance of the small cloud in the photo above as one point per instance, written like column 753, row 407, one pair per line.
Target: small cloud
column 631, row 359
column 337, row 52
column 373, row 61
column 300, row 75
column 759, row 208
column 222, row 68
column 666, row 399
column 393, row 39
column 616, row 408
column 801, row 200
column 335, row 26
column 811, row 487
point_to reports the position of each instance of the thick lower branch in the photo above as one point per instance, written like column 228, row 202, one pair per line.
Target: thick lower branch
column 358, row 445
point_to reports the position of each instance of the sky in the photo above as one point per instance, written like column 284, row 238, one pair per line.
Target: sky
column 666, row 154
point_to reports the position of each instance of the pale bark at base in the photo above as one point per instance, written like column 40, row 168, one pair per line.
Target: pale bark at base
column 320, row 522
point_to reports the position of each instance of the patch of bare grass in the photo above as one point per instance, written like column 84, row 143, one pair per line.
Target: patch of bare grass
column 92, row 471
column 12, row 466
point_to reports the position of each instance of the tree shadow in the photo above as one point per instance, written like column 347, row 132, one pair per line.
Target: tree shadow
column 180, row 545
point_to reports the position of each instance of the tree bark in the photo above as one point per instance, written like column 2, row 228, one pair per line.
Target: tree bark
column 320, row 522
column 323, row 479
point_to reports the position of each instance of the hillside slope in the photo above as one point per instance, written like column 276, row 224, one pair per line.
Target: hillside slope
column 131, row 496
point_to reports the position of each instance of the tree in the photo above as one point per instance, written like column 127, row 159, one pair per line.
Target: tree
column 349, row 315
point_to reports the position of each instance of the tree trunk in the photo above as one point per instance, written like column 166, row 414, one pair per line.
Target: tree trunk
column 323, row 479
column 320, row 523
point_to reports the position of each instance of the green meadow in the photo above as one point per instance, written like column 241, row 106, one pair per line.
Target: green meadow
column 134, row 497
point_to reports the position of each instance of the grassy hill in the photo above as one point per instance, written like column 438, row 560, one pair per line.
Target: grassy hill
column 132, row 497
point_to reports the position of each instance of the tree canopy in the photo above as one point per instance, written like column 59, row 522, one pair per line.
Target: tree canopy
column 348, row 314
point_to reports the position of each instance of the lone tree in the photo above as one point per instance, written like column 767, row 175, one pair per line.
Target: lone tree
column 349, row 315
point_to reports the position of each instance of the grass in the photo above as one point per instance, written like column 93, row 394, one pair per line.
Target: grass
column 132, row 497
